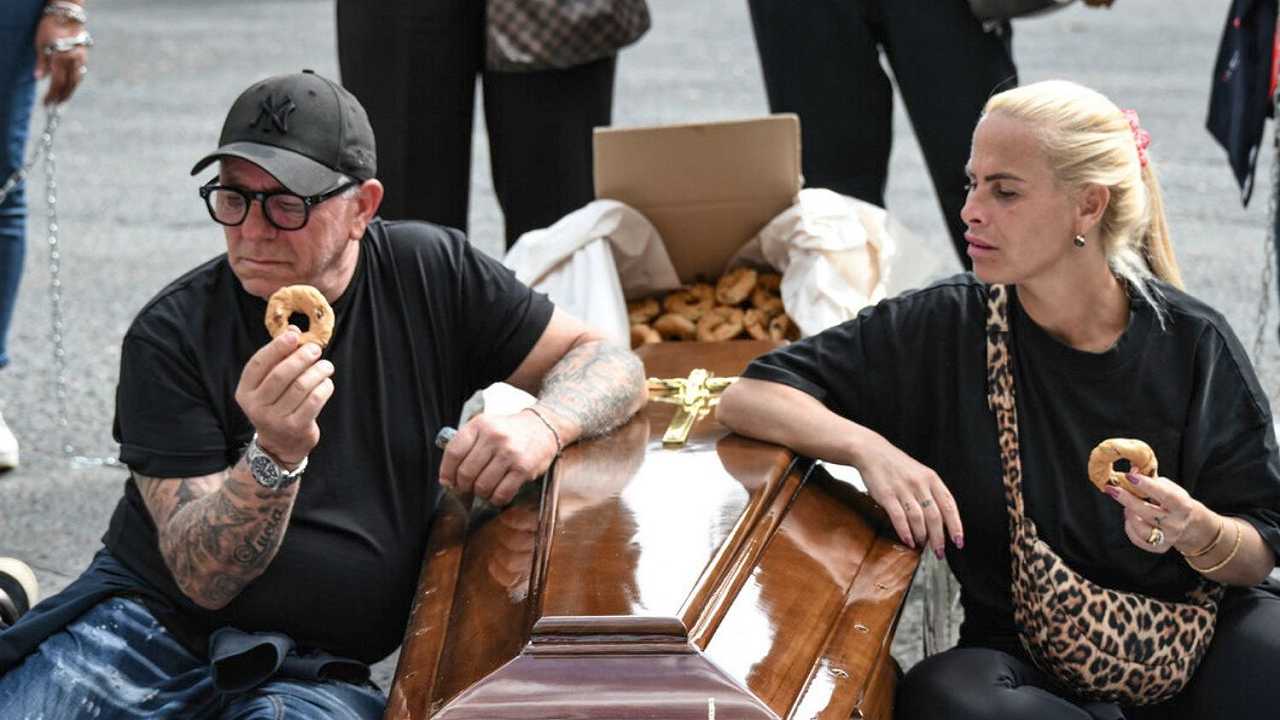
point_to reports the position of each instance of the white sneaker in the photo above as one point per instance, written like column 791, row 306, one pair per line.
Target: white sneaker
column 8, row 447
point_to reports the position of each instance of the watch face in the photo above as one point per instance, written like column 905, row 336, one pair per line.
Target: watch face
column 264, row 471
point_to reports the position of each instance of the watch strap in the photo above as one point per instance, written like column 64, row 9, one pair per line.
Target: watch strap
column 268, row 471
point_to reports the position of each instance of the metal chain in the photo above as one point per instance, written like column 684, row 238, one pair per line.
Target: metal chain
column 1269, row 251
column 46, row 139
column 1269, row 256
column 45, row 150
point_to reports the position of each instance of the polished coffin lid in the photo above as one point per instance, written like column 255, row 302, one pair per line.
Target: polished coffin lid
column 722, row 577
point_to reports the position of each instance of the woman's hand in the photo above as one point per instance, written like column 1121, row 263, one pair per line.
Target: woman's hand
column 918, row 503
column 1164, row 519
column 64, row 69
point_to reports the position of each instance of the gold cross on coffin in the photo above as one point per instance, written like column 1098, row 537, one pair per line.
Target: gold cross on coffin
column 693, row 396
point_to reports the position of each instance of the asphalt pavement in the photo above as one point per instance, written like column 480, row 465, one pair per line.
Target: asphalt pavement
column 164, row 72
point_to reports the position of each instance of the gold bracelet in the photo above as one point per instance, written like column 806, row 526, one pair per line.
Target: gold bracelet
column 1232, row 556
column 1212, row 543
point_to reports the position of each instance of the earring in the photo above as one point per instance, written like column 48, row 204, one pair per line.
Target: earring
column 1079, row 241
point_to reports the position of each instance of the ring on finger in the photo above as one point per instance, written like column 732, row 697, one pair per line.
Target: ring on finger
column 925, row 503
column 1156, row 537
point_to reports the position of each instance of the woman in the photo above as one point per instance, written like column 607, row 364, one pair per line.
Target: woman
column 1064, row 209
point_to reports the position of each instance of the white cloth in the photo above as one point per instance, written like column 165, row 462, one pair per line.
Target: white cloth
column 591, row 260
column 833, row 252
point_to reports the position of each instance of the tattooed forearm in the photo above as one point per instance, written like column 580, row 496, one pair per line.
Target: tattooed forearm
column 217, row 533
column 596, row 385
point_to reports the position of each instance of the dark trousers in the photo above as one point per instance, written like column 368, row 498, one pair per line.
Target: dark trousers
column 1236, row 680
column 821, row 60
column 413, row 65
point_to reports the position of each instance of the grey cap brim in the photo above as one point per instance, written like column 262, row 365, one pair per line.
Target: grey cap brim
column 298, row 173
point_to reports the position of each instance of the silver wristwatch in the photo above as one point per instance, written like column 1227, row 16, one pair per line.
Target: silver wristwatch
column 267, row 471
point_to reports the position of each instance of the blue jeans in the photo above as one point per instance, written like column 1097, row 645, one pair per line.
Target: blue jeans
column 118, row 661
column 17, row 93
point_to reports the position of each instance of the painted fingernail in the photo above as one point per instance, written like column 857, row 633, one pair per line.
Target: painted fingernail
column 908, row 542
column 959, row 541
column 1113, row 493
column 938, row 553
column 1134, row 477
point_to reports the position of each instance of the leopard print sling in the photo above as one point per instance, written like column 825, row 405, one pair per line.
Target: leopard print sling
column 1102, row 644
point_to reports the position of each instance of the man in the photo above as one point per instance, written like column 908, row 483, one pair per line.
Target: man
column 284, row 489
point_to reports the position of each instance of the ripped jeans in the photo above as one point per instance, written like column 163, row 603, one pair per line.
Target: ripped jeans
column 117, row 661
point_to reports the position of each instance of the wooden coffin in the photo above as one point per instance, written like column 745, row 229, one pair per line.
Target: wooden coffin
column 722, row 577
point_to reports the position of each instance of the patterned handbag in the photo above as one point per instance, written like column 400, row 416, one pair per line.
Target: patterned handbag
column 1102, row 644
column 528, row 35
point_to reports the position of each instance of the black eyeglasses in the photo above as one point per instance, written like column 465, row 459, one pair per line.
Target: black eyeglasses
column 283, row 209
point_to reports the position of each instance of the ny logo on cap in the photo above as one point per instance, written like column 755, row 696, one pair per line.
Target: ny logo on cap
column 277, row 113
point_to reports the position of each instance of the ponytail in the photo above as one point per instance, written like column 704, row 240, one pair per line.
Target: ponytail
column 1157, row 248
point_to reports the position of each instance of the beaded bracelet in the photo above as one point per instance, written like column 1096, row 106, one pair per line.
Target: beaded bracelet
column 68, row 11
column 556, row 435
column 1212, row 543
column 1231, row 556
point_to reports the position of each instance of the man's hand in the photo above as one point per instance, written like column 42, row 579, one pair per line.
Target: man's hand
column 282, row 389
column 64, row 69
column 493, row 456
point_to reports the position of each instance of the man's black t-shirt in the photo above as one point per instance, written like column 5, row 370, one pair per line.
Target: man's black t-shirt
column 913, row 368
column 424, row 323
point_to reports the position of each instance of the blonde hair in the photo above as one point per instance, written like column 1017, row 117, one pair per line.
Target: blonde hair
column 1088, row 141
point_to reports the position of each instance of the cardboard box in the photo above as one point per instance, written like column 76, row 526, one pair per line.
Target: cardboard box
column 708, row 188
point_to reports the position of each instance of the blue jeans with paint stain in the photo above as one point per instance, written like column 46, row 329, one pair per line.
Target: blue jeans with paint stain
column 118, row 661
column 17, row 94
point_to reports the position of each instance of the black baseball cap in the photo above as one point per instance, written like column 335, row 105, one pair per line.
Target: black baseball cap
column 305, row 130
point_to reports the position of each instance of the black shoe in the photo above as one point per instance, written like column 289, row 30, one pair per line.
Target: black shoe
column 18, row 590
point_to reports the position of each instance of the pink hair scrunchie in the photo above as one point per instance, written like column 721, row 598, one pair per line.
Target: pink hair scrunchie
column 1141, row 138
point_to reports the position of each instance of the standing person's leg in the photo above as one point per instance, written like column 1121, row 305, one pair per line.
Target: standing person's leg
column 540, row 140
column 116, row 661
column 980, row 684
column 946, row 66
column 413, row 66
column 17, row 94
column 821, row 61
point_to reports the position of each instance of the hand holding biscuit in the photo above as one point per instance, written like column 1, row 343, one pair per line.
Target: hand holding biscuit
column 284, row 385
column 1163, row 517
column 282, row 389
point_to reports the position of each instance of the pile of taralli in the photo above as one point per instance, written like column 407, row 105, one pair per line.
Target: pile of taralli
column 744, row 303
